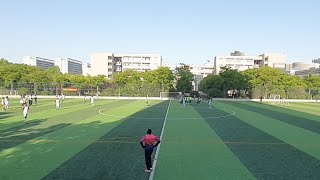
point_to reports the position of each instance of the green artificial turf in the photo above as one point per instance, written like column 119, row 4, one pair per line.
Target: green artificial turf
column 234, row 140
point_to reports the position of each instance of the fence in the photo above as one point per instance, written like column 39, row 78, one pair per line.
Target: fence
column 268, row 92
column 72, row 89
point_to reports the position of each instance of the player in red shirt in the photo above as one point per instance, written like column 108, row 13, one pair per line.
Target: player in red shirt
column 148, row 142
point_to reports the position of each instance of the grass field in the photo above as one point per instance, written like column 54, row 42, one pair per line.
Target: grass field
column 234, row 140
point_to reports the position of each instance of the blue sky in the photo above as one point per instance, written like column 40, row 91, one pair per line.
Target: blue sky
column 181, row 31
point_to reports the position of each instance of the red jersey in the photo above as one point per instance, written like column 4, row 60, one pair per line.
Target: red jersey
column 149, row 139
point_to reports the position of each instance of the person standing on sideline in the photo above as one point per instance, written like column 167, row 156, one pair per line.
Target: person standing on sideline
column 25, row 110
column 148, row 143
column 57, row 104
column 85, row 98
column 92, row 101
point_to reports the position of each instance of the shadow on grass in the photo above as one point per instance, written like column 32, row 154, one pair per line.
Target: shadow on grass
column 4, row 115
column 265, row 156
column 21, row 132
column 117, row 154
column 284, row 117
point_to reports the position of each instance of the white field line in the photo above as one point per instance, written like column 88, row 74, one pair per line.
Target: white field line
column 158, row 148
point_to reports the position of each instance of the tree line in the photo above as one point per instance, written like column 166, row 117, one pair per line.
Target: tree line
column 263, row 82
column 34, row 80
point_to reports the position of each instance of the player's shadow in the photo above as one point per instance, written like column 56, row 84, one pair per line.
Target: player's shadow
column 4, row 115
column 20, row 134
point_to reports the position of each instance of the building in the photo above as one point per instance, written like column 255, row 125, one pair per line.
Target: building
column 38, row 61
column 300, row 66
column 86, row 69
column 68, row 65
column 274, row 60
column 307, row 72
column 108, row 63
column 316, row 61
column 241, row 62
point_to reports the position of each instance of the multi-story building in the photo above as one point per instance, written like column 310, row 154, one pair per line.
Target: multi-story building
column 316, row 61
column 86, row 69
column 240, row 61
column 108, row 63
column 274, row 60
column 300, row 66
column 68, row 65
column 307, row 72
column 38, row 61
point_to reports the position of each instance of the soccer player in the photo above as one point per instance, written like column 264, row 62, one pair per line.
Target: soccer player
column 35, row 99
column 25, row 110
column 6, row 103
column 30, row 100
column 210, row 103
column 3, row 105
column 21, row 101
column 147, row 103
column 57, row 104
column 92, row 101
column 85, row 98
column 184, row 101
column 148, row 143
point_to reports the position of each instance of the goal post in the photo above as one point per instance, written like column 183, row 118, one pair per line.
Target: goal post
column 170, row 95
column 275, row 98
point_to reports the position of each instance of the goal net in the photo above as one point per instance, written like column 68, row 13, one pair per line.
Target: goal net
column 275, row 98
column 170, row 95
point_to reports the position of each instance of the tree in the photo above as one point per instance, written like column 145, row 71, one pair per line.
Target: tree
column 184, row 78
column 233, row 82
column 56, row 78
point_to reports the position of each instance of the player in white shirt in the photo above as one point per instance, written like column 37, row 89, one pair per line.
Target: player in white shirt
column 57, row 104
column 210, row 103
column 21, row 101
column 2, row 103
column 92, row 101
column 25, row 110
column 6, row 103
column 184, row 102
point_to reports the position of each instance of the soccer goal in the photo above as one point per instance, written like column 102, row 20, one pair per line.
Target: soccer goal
column 170, row 95
column 275, row 98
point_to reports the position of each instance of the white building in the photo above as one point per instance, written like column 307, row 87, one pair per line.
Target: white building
column 38, row 61
column 241, row 62
column 68, row 65
column 86, row 69
column 108, row 63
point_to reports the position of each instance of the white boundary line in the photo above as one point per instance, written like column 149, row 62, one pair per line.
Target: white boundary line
column 158, row 148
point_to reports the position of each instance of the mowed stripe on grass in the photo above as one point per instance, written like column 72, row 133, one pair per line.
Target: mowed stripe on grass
column 36, row 158
column 265, row 156
column 304, row 140
column 117, row 154
column 20, row 134
column 45, row 114
column 190, row 149
column 302, row 122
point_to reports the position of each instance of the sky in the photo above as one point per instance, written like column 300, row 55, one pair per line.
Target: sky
column 190, row 32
